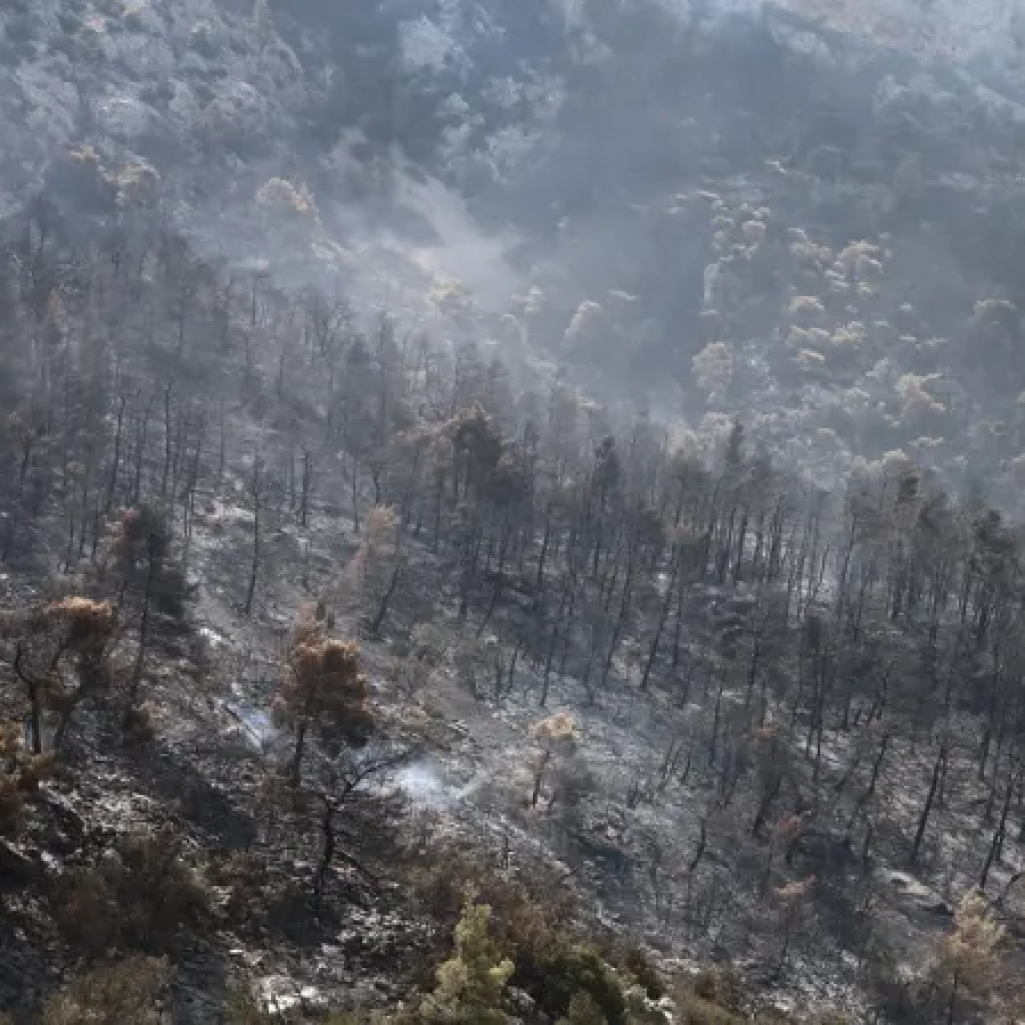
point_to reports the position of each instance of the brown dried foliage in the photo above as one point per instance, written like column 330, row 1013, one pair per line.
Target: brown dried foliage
column 323, row 685
column 20, row 776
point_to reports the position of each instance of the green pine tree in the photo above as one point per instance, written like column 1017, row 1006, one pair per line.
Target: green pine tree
column 471, row 984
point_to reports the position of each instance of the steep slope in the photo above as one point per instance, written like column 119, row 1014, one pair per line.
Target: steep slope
column 788, row 656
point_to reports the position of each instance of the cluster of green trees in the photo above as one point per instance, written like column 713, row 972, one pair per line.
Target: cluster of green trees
column 474, row 985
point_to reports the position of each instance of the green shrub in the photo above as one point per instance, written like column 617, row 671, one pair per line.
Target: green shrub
column 529, row 927
column 557, row 970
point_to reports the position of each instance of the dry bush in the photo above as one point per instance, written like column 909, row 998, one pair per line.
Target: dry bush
column 12, row 807
column 133, row 15
column 281, row 196
column 261, row 895
column 713, row 366
column 697, row 1010
column 137, row 184
column 137, row 726
column 441, row 876
column 83, row 629
column 915, row 397
column 557, row 737
column 158, row 887
column 722, row 987
column 128, row 991
column 807, row 308
column 88, row 917
column 364, row 586
column 243, row 1009
column 427, row 651
column 140, row 899
column 139, row 549
column 136, row 529
column 20, row 776
column 86, row 621
column 246, row 880
column 33, row 770
column 970, row 957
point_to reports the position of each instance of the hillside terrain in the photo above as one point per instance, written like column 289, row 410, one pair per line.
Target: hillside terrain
column 509, row 514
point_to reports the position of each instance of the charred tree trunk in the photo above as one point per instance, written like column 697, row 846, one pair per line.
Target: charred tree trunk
column 923, row 818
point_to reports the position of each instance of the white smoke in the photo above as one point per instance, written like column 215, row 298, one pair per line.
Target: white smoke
column 427, row 788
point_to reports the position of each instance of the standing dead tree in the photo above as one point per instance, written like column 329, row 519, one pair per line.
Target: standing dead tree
column 59, row 656
column 337, row 787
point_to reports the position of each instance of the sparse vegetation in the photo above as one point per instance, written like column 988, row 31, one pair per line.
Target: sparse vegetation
column 129, row 990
